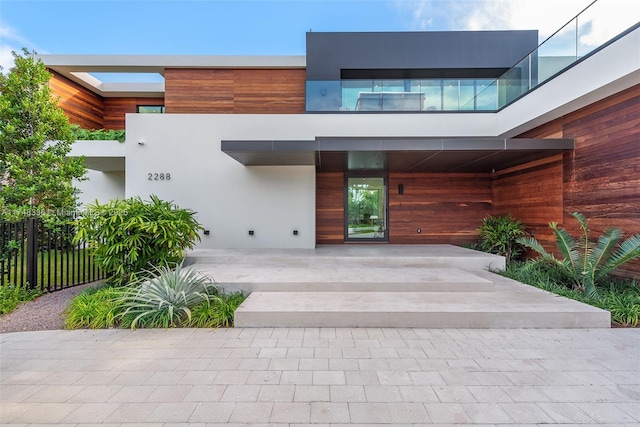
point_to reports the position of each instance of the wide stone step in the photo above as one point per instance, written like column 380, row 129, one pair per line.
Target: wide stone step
column 416, row 310
column 356, row 278
column 341, row 256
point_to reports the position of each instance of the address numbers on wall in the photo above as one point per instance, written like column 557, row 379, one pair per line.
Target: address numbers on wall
column 158, row 176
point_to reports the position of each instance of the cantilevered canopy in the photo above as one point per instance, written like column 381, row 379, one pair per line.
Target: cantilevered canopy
column 397, row 154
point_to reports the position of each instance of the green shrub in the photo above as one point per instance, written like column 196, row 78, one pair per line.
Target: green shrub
column 95, row 308
column 166, row 297
column 499, row 235
column 585, row 263
column 130, row 236
column 98, row 134
column 217, row 311
column 544, row 277
column 11, row 296
column 622, row 299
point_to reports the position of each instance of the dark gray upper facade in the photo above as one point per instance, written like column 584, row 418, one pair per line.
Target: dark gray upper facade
column 414, row 55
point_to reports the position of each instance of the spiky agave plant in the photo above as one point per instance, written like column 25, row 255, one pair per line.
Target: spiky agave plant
column 584, row 262
column 165, row 298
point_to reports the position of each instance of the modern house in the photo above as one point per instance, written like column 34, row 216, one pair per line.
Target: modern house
column 397, row 138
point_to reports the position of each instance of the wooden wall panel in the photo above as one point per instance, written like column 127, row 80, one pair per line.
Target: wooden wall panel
column 83, row 107
column 239, row 91
column 198, row 90
column 115, row 109
column 533, row 193
column 269, row 91
column 446, row 207
column 329, row 208
column 601, row 177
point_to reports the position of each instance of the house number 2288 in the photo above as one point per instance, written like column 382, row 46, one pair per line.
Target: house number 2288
column 162, row 176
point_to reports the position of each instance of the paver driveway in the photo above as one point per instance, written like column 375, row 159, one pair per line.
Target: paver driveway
column 320, row 377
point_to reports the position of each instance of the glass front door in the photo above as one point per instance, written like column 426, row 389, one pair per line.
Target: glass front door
column 366, row 213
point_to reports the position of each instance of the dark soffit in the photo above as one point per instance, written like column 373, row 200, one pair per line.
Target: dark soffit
column 397, row 154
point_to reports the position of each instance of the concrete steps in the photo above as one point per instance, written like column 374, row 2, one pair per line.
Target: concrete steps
column 422, row 286
column 345, row 256
column 413, row 310
column 328, row 278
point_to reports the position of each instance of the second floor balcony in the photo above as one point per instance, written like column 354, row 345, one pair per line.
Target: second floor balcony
column 402, row 95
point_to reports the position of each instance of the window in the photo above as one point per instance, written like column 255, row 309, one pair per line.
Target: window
column 150, row 109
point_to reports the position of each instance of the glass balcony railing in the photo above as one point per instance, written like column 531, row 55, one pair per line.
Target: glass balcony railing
column 596, row 25
column 402, row 95
column 593, row 27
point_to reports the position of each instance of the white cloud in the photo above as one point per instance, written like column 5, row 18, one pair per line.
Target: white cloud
column 8, row 33
column 12, row 41
column 602, row 22
column 6, row 58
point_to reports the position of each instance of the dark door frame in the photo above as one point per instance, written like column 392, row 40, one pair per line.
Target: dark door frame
column 385, row 182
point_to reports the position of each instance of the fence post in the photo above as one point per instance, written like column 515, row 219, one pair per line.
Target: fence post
column 32, row 252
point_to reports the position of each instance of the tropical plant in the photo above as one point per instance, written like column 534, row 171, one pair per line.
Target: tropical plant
column 165, row 298
column 621, row 297
column 95, row 308
column 81, row 134
column 586, row 263
column 129, row 236
column 499, row 235
column 217, row 311
column 36, row 175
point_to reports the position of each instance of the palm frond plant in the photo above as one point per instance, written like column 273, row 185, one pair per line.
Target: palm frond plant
column 584, row 262
column 165, row 298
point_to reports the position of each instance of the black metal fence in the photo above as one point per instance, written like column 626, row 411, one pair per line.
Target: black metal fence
column 45, row 259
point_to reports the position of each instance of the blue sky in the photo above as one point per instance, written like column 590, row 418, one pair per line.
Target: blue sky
column 249, row 27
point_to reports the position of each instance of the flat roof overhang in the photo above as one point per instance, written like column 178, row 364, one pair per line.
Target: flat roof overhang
column 78, row 68
column 470, row 155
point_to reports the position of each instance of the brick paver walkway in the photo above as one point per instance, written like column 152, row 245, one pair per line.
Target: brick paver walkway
column 321, row 377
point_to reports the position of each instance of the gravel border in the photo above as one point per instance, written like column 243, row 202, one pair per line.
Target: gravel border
column 42, row 314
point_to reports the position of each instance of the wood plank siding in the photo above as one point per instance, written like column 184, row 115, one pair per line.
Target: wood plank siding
column 532, row 193
column 330, row 208
column 601, row 177
column 115, row 109
column 91, row 111
column 446, row 207
column 239, row 91
column 83, row 107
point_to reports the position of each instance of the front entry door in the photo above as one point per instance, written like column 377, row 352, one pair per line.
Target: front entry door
column 366, row 208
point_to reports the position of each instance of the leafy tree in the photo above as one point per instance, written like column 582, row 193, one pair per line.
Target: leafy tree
column 35, row 138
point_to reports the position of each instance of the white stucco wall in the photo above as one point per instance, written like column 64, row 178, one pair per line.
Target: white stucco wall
column 230, row 199
column 101, row 186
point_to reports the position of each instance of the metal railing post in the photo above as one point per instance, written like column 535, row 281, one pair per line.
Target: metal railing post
column 32, row 252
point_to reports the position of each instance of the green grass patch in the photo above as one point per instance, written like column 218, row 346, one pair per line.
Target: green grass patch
column 11, row 296
column 55, row 268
